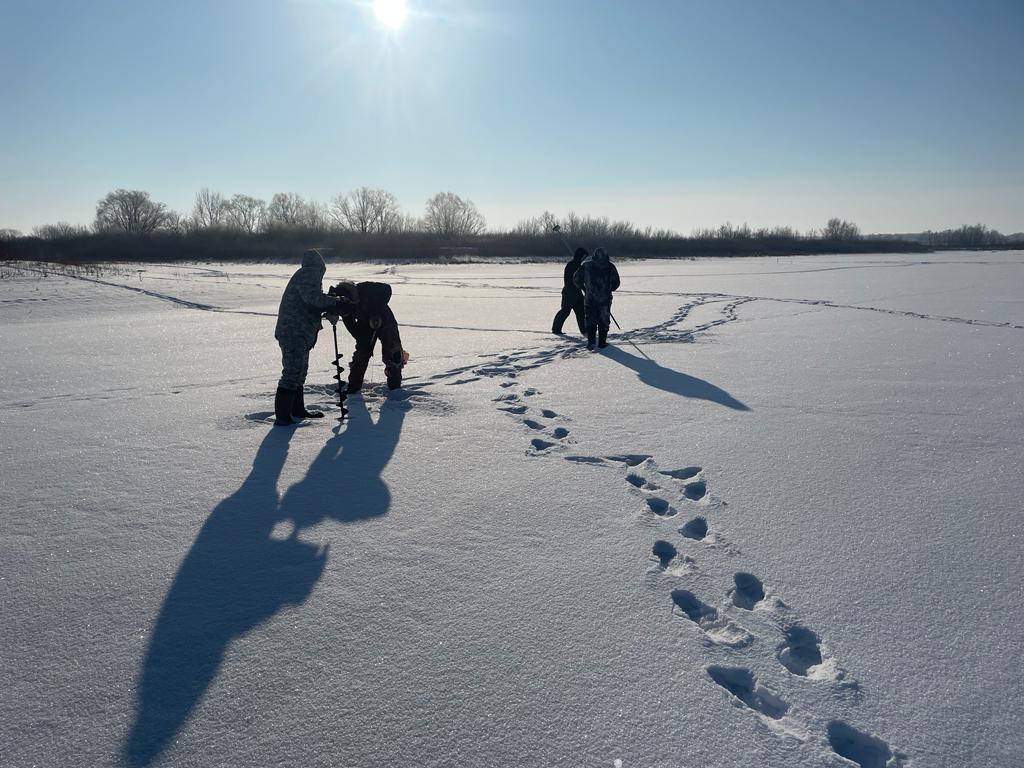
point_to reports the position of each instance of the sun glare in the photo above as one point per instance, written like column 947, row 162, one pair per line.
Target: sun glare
column 390, row 13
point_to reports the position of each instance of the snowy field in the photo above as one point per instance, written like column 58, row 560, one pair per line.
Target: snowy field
column 778, row 523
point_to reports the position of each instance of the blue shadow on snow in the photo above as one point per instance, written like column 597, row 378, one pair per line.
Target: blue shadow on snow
column 236, row 576
column 669, row 380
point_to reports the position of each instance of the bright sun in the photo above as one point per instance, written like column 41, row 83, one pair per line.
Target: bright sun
column 391, row 13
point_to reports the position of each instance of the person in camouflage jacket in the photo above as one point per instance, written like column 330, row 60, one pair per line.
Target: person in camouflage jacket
column 298, row 324
column 598, row 278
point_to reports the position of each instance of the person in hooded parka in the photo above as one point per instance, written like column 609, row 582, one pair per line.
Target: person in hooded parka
column 369, row 319
column 598, row 278
column 298, row 324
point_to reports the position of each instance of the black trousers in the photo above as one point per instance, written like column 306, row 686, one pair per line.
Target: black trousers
column 391, row 354
column 571, row 302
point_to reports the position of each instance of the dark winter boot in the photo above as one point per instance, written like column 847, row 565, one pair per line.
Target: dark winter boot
column 283, row 407
column 602, row 338
column 299, row 407
column 590, row 339
column 394, row 377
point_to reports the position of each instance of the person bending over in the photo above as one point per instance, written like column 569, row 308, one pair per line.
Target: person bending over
column 369, row 319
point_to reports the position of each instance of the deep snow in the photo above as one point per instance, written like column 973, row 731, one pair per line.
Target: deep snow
column 783, row 527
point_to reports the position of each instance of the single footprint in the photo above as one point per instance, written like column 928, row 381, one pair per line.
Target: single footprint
column 530, row 392
column 516, row 409
column 695, row 529
column 742, row 684
column 749, row 591
column 660, row 507
column 718, row 630
column 532, row 424
column 509, row 384
column 548, row 414
column 561, row 433
column 578, row 459
column 509, row 398
column 629, row 459
column 541, row 445
column 639, row 481
column 692, row 607
column 695, row 491
column 865, row 750
column 683, row 474
column 664, row 551
column 800, row 651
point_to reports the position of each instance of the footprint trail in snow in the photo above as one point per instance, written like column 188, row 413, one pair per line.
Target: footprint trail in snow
column 666, row 496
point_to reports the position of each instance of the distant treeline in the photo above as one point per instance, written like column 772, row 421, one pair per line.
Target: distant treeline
column 967, row 236
column 349, row 246
column 368, row 224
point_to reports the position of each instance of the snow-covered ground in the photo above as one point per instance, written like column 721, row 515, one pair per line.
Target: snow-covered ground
column 778, row 522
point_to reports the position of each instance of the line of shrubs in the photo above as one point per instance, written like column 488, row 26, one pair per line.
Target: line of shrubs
column 285, row 245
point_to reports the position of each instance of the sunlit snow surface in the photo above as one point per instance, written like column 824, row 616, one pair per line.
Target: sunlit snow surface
column 776, row 523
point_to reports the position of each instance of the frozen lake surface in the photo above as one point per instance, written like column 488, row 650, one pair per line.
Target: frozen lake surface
column 777, row 523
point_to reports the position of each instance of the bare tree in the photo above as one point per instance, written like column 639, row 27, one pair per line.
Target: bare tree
column 246, row 214
column 210, row 210
column 176, row 222
column 535, row 225
column 408, row 223
column 59, row 230
column 840, row 229
column 130, row 212
column 6, row 235
column 314, row 215
column 449, row 215
column 287, row 210
column 367, row 210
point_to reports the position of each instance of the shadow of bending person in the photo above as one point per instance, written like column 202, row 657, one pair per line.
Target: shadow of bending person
column 237, row 576
column 344, row 481
column 669, row 380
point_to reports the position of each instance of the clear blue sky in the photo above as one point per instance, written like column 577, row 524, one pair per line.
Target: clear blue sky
column 898, row 114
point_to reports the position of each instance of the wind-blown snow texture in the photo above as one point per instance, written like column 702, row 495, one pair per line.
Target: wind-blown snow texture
column 777, row 523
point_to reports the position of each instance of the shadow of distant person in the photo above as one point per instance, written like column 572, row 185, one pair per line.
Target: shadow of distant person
column 234, row 577
column 673, row 381
column 344, row 481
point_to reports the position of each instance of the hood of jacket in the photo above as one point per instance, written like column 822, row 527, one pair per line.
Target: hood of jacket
column 312, row 260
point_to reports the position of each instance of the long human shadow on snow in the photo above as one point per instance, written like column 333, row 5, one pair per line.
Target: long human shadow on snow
column 236, row 576
column 673, row 381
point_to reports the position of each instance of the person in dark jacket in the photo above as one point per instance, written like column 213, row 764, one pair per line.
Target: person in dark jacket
column 298, row 324
column 369, row 319
column 598, row 278
column 572, row 297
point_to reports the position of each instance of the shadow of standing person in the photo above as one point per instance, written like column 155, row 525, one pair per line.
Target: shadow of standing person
column 669, row 380
column 234, row 577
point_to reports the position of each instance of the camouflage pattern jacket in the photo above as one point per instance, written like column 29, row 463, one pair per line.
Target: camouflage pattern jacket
column 303, row 304
column 597, row 278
